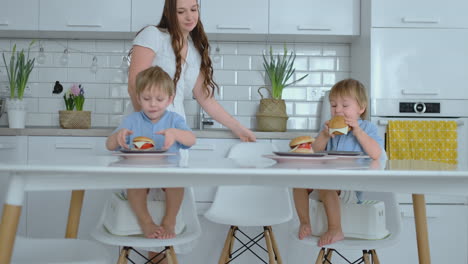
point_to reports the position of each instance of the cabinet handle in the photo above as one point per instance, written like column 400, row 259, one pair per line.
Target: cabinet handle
column 203, row 147
column 84, row 25
column 73, row 146
column 420, row 92
column 308, row 27
column 6, row 146
column 4, row 23
column 420, row 20
column 233, row 27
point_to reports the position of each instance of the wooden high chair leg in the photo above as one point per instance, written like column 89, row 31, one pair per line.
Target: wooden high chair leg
column 365, row 256
column 271, row 254
column 375, row 258
column 231, row 244
column 172, row 257
column 275, row 246
column 329, row 254
column 123, row 256
column 227, row 246
column 320, row 256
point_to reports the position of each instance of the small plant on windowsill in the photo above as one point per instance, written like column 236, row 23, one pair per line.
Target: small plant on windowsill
column 74, row 99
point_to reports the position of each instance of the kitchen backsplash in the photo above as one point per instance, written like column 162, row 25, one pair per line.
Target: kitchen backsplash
column 238, row 71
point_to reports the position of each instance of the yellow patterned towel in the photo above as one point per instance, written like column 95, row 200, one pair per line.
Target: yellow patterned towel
column 422, row 140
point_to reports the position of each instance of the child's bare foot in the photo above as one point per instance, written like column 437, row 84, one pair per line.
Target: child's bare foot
column 151, row 230
column 330, row 237
column 304, row 231
column 167, row 229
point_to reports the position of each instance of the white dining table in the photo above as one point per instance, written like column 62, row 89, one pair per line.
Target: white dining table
column 114, row 172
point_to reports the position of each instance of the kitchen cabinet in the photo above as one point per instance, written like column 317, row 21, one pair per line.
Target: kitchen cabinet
column 146, row 12
column 242, row 16
column 419, row 63
column 420, row 13
column 13, row 149
column 48, row 211
column 19, row 15
column 85, row 15
column 315, row 17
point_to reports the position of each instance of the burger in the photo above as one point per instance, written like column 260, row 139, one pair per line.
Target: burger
column 301, row 144
column 338, row 126
column 143, row 143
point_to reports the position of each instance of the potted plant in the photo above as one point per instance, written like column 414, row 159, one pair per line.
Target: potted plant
column 74, row 116
column 272, row 114
column 18, row 70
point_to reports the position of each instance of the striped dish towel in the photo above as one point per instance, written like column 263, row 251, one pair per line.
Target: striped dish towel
column 422, row 140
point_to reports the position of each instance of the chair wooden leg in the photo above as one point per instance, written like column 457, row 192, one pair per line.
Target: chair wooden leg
column 271, row 254
column 231, row 244
column 173, row 255
column 224, row 252
column 329, row 254
column 365, row 255
column 168, row 256
column 275, row 246
column 123, row 256
column 375, row 258
column 320, row 256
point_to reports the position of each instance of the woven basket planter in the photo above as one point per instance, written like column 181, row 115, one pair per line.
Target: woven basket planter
column 271, row 115
column 75, row 119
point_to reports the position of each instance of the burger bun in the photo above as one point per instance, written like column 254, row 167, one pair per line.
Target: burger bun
column 338, row 126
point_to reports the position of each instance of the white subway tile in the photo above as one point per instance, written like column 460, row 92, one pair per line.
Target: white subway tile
column 336, row 50
column 51, row 105
column 236, row 92
column 247, row 108
column 301, row 64
column 255, row 93
column 294, row 93
column 229, row 106
column 110, row 46
column 32, row 105
column 5, row 45
column 343, row 64
column 308, row 49
column 232, row 62
column 192, row 121
column 256, row 63
column 306, row 109
column 297, row 123
column 191, row 107
column 48, row 62
column 315, row 93
column 289, row 108
column 225, row 77
column 38, row 119
column 250, row 78
column 109, row 75
column 109, row 106
column 34, row 76
column 115, row 120
column 98, row 120
column 245, row 121
column 80, row 75
column 74, row 60
column 54, row 45
column 228, row 48
column 322, row 64
column 330, row 78
column 116, row 61
column 313, row 78
column 251, row 49
column 89, row 105
column 52, row 74
column 314, row 123
column 96, row 90
column 82, row 45
column 23, row 44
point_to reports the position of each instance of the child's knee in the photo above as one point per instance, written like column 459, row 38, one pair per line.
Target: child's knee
column 327, row 193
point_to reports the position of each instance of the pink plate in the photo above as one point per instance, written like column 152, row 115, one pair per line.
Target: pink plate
column 294, row 159
column 144, row 155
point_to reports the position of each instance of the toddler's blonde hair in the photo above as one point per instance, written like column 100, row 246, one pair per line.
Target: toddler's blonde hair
column 154, row 77
column 352, row 88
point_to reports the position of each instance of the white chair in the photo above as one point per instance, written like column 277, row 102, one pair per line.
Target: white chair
column 368, row 247
column 250, row 206
column 191, row 232
column 59, row 251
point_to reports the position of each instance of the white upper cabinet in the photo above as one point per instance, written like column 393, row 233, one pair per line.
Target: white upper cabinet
column 240, row 16
column 85, row 15
column 19, row 14
column 315, row 17
column 420, row 13
column 146, row 12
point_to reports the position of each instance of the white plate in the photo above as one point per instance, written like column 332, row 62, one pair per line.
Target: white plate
column 299, row 159
column 144, row 155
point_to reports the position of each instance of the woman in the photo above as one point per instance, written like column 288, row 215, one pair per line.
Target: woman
column 179, row 45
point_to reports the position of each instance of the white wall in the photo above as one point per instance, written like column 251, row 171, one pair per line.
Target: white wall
column 239, row 73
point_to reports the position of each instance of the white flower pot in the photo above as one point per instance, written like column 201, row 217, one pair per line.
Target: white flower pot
column 16, row 110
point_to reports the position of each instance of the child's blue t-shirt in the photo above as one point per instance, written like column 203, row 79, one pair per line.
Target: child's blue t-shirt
column 349, row 142
column 141, row 125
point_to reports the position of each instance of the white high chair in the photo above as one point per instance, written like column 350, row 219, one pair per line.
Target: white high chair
column 368, row 247
column 191, row 232
column 250, row 206
column 58, row 251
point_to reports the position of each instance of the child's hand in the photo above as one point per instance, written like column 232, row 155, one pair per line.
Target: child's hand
column 354, row 124
column 170, row 137
column 326, row 130
column 122, row 137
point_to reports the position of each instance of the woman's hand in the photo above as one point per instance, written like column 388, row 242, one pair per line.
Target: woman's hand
column 245, row 134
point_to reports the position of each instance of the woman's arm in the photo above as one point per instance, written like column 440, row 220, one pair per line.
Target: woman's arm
column 216, row 111
column 142, row 59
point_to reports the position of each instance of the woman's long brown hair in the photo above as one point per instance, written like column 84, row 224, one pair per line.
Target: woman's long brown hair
column 170, row 23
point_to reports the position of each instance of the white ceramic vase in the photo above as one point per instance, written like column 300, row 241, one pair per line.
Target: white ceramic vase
column 16, row 110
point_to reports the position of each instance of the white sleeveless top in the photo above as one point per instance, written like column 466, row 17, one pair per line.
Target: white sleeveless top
column 160, row 42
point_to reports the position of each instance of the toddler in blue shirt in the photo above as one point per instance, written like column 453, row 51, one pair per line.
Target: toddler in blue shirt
column 348, row 98
column 155, row 92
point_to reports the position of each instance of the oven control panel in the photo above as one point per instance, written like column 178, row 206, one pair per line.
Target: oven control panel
column 420, row 107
